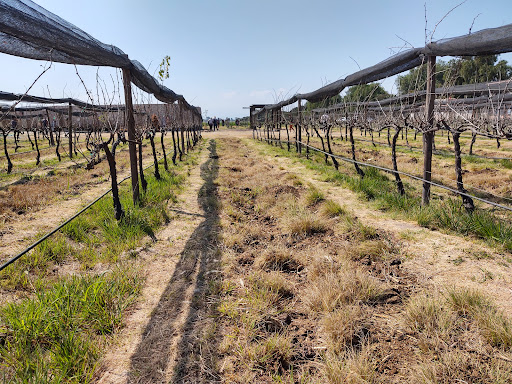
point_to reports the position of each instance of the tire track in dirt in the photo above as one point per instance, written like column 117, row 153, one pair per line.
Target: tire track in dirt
column 434, row 257
column 156, row 339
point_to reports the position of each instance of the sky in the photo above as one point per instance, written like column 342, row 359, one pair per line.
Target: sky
column 229, row 54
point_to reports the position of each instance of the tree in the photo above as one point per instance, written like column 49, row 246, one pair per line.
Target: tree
column 322, row 104
column 482, row 69
column 465, row 70
column 366, row 92
column 416, row 78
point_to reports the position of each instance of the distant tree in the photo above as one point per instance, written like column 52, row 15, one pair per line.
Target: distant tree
column 416, row 78
column 481, row 69
column 323, row 103
column 366, row 92
column 465, row 70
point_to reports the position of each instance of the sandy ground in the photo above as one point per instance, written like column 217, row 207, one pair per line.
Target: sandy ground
column 149, row 347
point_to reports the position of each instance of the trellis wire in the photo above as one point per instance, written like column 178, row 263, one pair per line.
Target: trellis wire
column 415, row 149
column 400, row 172
column 55, row 230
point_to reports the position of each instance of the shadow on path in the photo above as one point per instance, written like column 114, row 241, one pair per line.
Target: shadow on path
column 183, row 297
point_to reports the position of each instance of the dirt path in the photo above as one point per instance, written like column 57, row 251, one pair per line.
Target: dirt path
column 435, row 257
column 176, row 265
column 162, row 336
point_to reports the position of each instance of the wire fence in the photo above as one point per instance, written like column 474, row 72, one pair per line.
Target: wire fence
column 66, row 222
column 389, row 170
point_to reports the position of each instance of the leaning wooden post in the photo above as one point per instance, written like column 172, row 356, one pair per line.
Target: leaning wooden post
column 428, row 135
column 130, row 120
column 299, row 125
column 70, row 130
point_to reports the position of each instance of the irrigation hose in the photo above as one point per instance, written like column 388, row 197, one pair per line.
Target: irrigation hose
column 53, row 231
column 399, row 172
column 439, row 151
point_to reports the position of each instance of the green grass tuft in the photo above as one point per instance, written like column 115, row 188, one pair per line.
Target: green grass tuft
column 332, row 209
column 55, row 336
column 314, row 196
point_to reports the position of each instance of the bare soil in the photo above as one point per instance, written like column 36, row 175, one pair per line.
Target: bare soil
column 176, row 333
column 191, row 322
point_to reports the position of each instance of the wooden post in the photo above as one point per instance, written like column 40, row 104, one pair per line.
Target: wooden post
column 267, row 122
column 274, row 132
column 269, row 126
column 130, row 120
column 279, row 117
column 180, row 103
column 70, row 130
column 299, row 124
column 428, row 136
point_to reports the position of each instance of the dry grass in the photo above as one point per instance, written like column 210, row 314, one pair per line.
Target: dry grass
column 370, row 249
column 314, row 196
column 279, row 258
column 36, row 193
column 312, row 295
column 461, row 367
column 346, row 286
column 273, row 282
column 332, row 209
column 493, row 324
column 272, row 354
column 344, row 328
column 457, row 333
column 305, row 224
column 354, row 368
column 278, row 273
column 429, row 314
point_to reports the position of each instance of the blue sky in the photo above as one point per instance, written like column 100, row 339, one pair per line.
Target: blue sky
column 227, row 54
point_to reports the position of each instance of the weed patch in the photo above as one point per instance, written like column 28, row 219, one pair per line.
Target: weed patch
column 56, row 336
